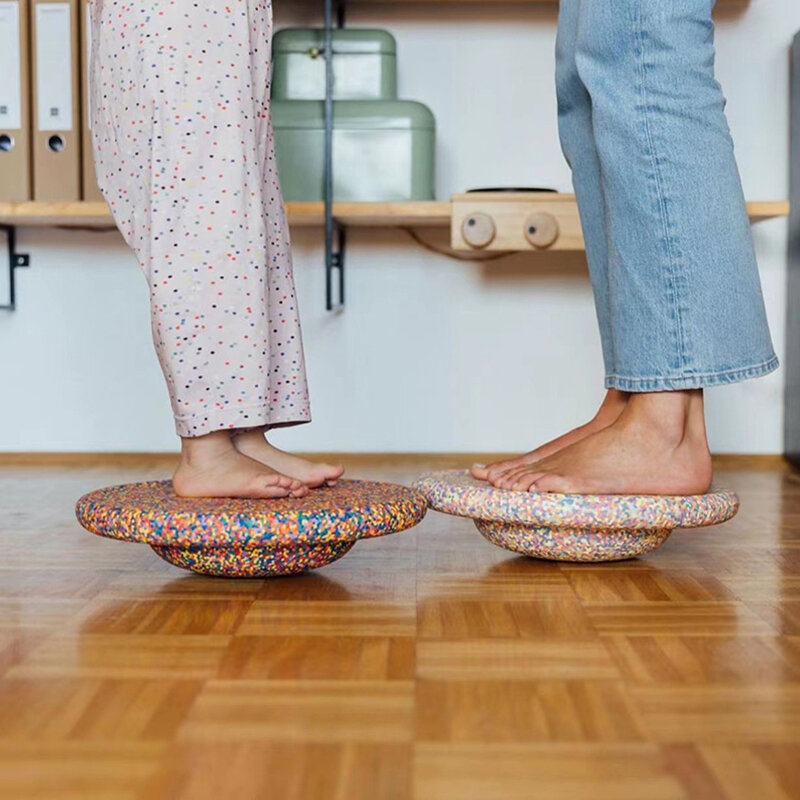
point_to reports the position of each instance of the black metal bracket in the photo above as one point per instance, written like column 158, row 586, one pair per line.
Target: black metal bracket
column 15, row 261
column 335, row 236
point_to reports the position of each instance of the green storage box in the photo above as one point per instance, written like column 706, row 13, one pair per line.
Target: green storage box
column 383, row 150
column 364, row 64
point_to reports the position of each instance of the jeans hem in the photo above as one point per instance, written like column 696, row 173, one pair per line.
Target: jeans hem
column 695, row 381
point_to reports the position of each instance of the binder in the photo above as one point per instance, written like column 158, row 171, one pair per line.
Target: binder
column 56, row 100
column 15, row 141
column 91, row 191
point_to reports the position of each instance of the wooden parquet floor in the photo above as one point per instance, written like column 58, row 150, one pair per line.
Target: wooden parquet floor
column 427, row 665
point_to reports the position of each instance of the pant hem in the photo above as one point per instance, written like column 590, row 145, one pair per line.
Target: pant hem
column 241, row 418
column 692, row 381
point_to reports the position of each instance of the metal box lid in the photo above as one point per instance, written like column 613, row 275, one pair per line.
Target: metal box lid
column 353, row 115
column 356, row 41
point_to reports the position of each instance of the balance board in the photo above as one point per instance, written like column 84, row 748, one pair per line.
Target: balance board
column 250, row 538
column 572, row 527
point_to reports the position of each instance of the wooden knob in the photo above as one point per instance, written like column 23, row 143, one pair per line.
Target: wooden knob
column 541, row 230
column 478, row 230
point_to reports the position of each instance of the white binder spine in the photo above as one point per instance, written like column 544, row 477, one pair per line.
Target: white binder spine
column 54, row 67
column 10, row 59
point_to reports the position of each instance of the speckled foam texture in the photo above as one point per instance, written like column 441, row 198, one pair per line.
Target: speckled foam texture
column 572, row 527
column 572, row 544
column 254, row 562
column 233, row 537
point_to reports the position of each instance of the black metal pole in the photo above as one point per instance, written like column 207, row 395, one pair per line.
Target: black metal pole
column 11, row 233
column 14, row 261
column 328, row 189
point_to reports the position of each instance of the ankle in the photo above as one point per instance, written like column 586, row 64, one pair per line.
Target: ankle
column 674, row 417
column 255, row 436
column 613, row 405
column 203, row 450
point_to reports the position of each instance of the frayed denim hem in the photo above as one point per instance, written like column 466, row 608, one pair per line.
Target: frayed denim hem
column 696, row 381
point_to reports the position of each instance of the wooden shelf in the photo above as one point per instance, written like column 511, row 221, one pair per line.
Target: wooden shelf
column 431, row 214
column 373, row 215
column 768, row 209
column 493, row 2
column 434, row 214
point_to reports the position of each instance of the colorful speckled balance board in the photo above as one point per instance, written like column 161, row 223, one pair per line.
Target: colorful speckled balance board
column 251, row 538
column 572, row 527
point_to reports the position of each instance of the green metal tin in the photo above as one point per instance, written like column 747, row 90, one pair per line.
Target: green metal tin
column 382, row 150
column 364, row 64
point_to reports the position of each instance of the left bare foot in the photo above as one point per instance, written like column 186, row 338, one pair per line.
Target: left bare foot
column 657, row 446
column 612, row 406
column 255, row 446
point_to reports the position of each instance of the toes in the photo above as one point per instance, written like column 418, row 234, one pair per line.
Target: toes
column 275, row 480
column 332, row 474
column 270, row 492
column 500, row 481
column 507, row 479
column 494, row 471
column 551, row 482
column 519, row 479
column 479, row 471
column 525, row 482
column 323, row 475
column 497, row 476
column 286, row 482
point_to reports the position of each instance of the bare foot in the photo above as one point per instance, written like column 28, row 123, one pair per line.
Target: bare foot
column 612, row 406
column 254, row 445
column 657, row 446
column 212, row 467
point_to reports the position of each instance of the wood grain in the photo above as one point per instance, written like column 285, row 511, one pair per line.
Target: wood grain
column 427, row 666
column 510, row 213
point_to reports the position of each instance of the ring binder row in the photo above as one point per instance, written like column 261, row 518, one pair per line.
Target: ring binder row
column 45, row 144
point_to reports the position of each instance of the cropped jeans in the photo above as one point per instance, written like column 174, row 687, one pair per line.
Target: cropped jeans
column 642, row 125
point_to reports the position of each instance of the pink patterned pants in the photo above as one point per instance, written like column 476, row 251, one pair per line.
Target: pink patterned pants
column 184, row 152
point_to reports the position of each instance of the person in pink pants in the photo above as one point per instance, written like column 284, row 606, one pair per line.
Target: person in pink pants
column 185, row 158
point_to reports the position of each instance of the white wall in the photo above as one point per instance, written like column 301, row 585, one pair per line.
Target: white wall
column 430, row 354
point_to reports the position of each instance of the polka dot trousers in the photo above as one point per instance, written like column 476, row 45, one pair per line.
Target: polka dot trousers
column 185, row 158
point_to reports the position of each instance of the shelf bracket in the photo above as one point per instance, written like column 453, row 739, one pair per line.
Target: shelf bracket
column 335, row 236
column 16, row 260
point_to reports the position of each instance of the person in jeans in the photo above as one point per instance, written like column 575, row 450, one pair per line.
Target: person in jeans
column 671, row 259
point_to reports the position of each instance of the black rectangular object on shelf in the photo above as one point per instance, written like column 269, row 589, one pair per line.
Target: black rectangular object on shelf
column 792, row 365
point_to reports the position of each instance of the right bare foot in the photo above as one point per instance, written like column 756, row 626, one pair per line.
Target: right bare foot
column 312, row 474
column 212, row 467
column 610, row 409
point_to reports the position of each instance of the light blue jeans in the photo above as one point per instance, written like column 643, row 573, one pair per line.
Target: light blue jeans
column 642, row 125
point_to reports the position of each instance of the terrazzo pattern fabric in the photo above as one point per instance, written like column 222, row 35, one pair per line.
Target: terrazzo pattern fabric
column 572, row 527
column 184, row 152
column 226, row 536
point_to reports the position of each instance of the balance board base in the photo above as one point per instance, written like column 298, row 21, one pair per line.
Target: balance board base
column 254, row 562
column 571, row 544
